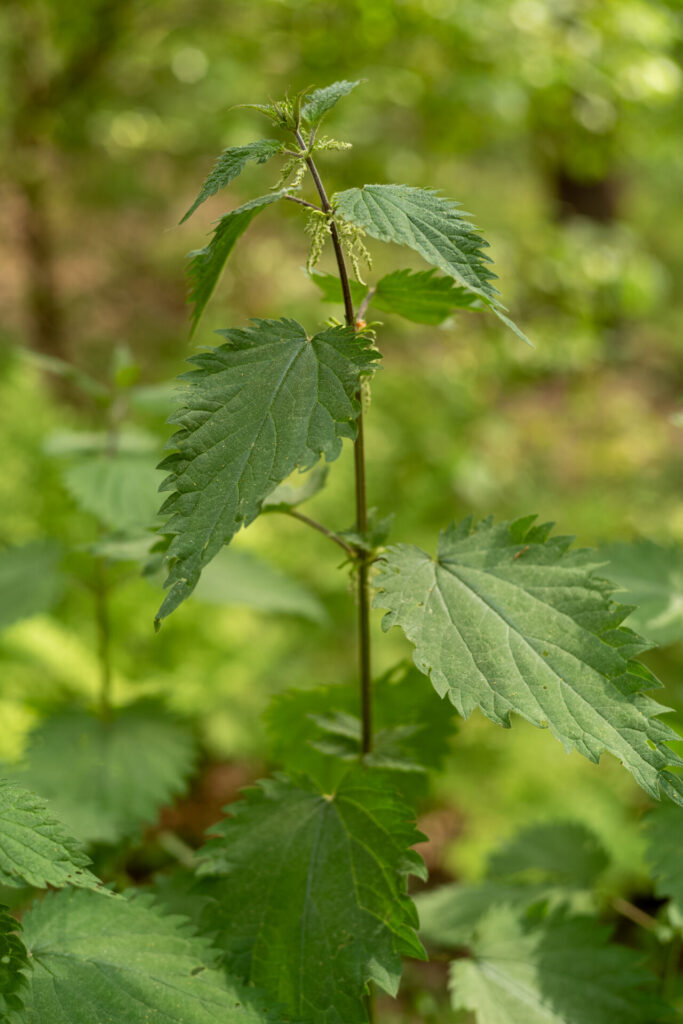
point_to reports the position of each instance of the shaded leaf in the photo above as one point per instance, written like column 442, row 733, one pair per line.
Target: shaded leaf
column 652, row 576
column 124, row 962
column 506, row 619
column 118, row 774
column 449, row 915
column 35, row 848
column 121, row 491
column 409, row 724
column 232, row 162
column 322, row 100
column 554, row 852
column 422, row 297
column 30, row 580
column 312, row 900
column 330, row 286
column 207, row 264
column 14, row 964
column 238, row 577
column 559, row 971
column 664, row 851
column 435, row 227
column 257, row 408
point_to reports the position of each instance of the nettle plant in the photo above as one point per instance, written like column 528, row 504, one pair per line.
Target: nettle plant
column 297, row 908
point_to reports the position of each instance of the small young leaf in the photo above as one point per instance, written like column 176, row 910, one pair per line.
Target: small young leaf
column 30, row 580
column 322, row 100
column 14, row 965
column 435, row 227
column 410, row 725
column 562, row 853
column 507, row 620
column 125, row 962
column 664, row 835
column 207, row 264
column 119, row 771
column 330, row 286
column 652, row 576
column 238, row 577
column 421, row 296
column 257, row 408
column 232, row 162
column 559, row 971
column 35, row 848
column 121, row 491
column 310, row 894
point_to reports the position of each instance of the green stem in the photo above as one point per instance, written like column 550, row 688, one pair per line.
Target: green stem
column 364, row 650
column 103, row 636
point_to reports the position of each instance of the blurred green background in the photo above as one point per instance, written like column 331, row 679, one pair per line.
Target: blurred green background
column 557, row 123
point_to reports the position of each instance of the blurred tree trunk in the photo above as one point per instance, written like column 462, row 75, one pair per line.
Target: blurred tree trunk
column 44, row 311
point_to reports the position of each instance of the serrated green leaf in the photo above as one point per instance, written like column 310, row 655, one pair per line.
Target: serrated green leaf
column 422, row 297
column 322, row 100
column 402, row 701
column 664, row 851
column 506, row 619
column 287, row 495
column 559, row 971
column 652, row 576
column 562, row 853
column 312, row 903
column 330, row 286
column 435, row 227
column 238, row 577
column 35, row 848
column 257, row 408
column 124, row 962
column 118, row 774
column 120, row 491
column 30, row 580
column 14, row 964
column 232, row 162
column 206, row 265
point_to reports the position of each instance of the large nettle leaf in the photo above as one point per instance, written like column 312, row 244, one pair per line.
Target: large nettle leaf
column 435, row 227
column 507, row 619
column 558, row 971
column 269, row 401
column 206, row 265
column 124, row 962
column 310, row 900
column 35, row 848
column 119, row 771
column 232, row 162
column 13, row 964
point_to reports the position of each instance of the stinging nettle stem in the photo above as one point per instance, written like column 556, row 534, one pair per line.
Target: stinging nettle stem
column 359, row 472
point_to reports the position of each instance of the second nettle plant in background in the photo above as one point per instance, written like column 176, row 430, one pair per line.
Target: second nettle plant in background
column 305, row 882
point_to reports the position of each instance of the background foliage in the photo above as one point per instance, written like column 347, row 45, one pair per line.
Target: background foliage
column 559, row 123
